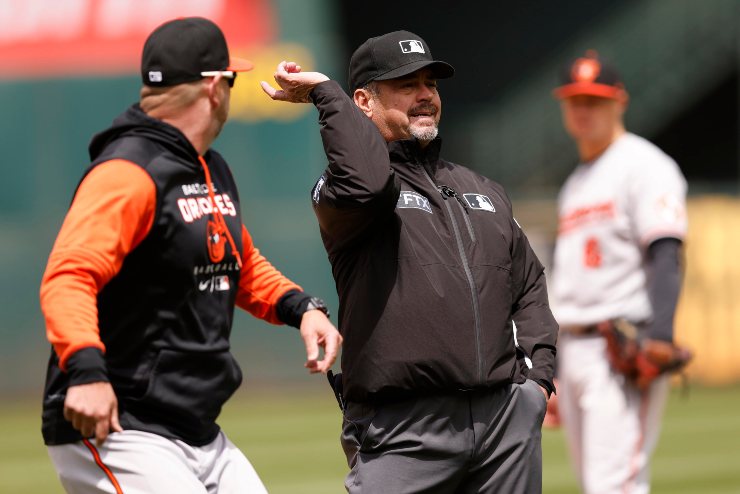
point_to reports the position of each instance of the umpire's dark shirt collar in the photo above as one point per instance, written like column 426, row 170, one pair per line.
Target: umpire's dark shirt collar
column 408, row 150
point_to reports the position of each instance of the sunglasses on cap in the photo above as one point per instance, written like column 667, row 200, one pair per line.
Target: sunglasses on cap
column 229, row 75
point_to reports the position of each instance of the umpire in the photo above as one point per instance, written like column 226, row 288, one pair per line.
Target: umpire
column 431, row 270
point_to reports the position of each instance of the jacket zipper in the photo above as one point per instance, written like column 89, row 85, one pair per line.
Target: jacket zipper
column 450, row 192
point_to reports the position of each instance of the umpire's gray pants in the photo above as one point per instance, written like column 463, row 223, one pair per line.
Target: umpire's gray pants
column 482, row 441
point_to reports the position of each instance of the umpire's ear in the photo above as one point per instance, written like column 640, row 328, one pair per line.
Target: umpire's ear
column 364, row 100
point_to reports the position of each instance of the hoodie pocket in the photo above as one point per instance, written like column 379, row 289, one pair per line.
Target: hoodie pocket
column 190, row 387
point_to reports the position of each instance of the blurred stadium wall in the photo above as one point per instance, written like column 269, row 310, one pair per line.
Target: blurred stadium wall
column 68, row 68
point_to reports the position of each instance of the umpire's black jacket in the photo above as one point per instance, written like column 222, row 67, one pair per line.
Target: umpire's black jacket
column 429, row 263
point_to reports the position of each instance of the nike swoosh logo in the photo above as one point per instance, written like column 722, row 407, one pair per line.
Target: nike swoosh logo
column 203, row 285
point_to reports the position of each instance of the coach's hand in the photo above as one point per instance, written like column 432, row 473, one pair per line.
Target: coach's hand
column 295, row 86
column 317, row 331
column 93, row 410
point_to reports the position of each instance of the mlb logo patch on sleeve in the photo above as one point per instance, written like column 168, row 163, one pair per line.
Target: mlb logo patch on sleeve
column 479, row 201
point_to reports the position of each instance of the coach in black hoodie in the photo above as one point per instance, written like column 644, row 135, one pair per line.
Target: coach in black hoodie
column 449, row 342
column 140, row 289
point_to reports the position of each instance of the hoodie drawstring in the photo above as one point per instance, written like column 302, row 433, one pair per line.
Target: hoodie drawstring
column 217, row 216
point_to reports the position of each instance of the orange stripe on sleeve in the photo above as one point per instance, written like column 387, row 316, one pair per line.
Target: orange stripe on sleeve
column 260, row 284
column 112, row 212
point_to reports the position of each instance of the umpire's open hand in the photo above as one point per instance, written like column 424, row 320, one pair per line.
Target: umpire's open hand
column 317, row 331
column 295, row 86
column 93, row 410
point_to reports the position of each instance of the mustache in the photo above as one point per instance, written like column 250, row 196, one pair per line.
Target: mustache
column 424, row 108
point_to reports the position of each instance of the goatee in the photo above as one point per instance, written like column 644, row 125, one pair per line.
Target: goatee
column 424, row 133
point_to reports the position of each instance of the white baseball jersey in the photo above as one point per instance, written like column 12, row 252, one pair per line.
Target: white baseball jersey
column 609, row 211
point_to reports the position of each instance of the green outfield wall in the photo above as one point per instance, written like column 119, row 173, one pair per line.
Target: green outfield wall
column 274, row 149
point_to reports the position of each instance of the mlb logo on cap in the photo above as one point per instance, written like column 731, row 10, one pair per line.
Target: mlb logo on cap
column 379, row 59
column 585, row 70
column 411, row 46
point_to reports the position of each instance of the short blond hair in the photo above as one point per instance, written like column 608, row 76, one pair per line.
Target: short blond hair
column 162, row 101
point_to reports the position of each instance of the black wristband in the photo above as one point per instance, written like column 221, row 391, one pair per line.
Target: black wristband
column 294, row 303
column 86, row 366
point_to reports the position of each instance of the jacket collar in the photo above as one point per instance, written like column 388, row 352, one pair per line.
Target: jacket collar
column 408, row 150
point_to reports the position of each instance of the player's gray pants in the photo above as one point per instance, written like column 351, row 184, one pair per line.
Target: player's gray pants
column 485, row 441
column 134, row 462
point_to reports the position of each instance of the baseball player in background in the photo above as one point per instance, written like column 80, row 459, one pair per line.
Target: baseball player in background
column 622, row 222
column 140, row 289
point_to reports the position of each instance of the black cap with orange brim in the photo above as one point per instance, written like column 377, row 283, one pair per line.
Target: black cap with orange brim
column 181, row 50
column 588, row 75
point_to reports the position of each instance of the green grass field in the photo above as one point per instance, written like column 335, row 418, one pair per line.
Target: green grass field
column 292, row 440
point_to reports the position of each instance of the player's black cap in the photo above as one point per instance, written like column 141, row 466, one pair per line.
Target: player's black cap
column 181, row 50
column 391, row 56
column 591, row 76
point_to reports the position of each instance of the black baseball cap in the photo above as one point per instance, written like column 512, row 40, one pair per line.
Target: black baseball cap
column 181, row 50
column 391, row 56
column 589, row 75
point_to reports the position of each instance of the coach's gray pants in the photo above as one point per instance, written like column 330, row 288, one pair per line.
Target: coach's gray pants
column 483, row 441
